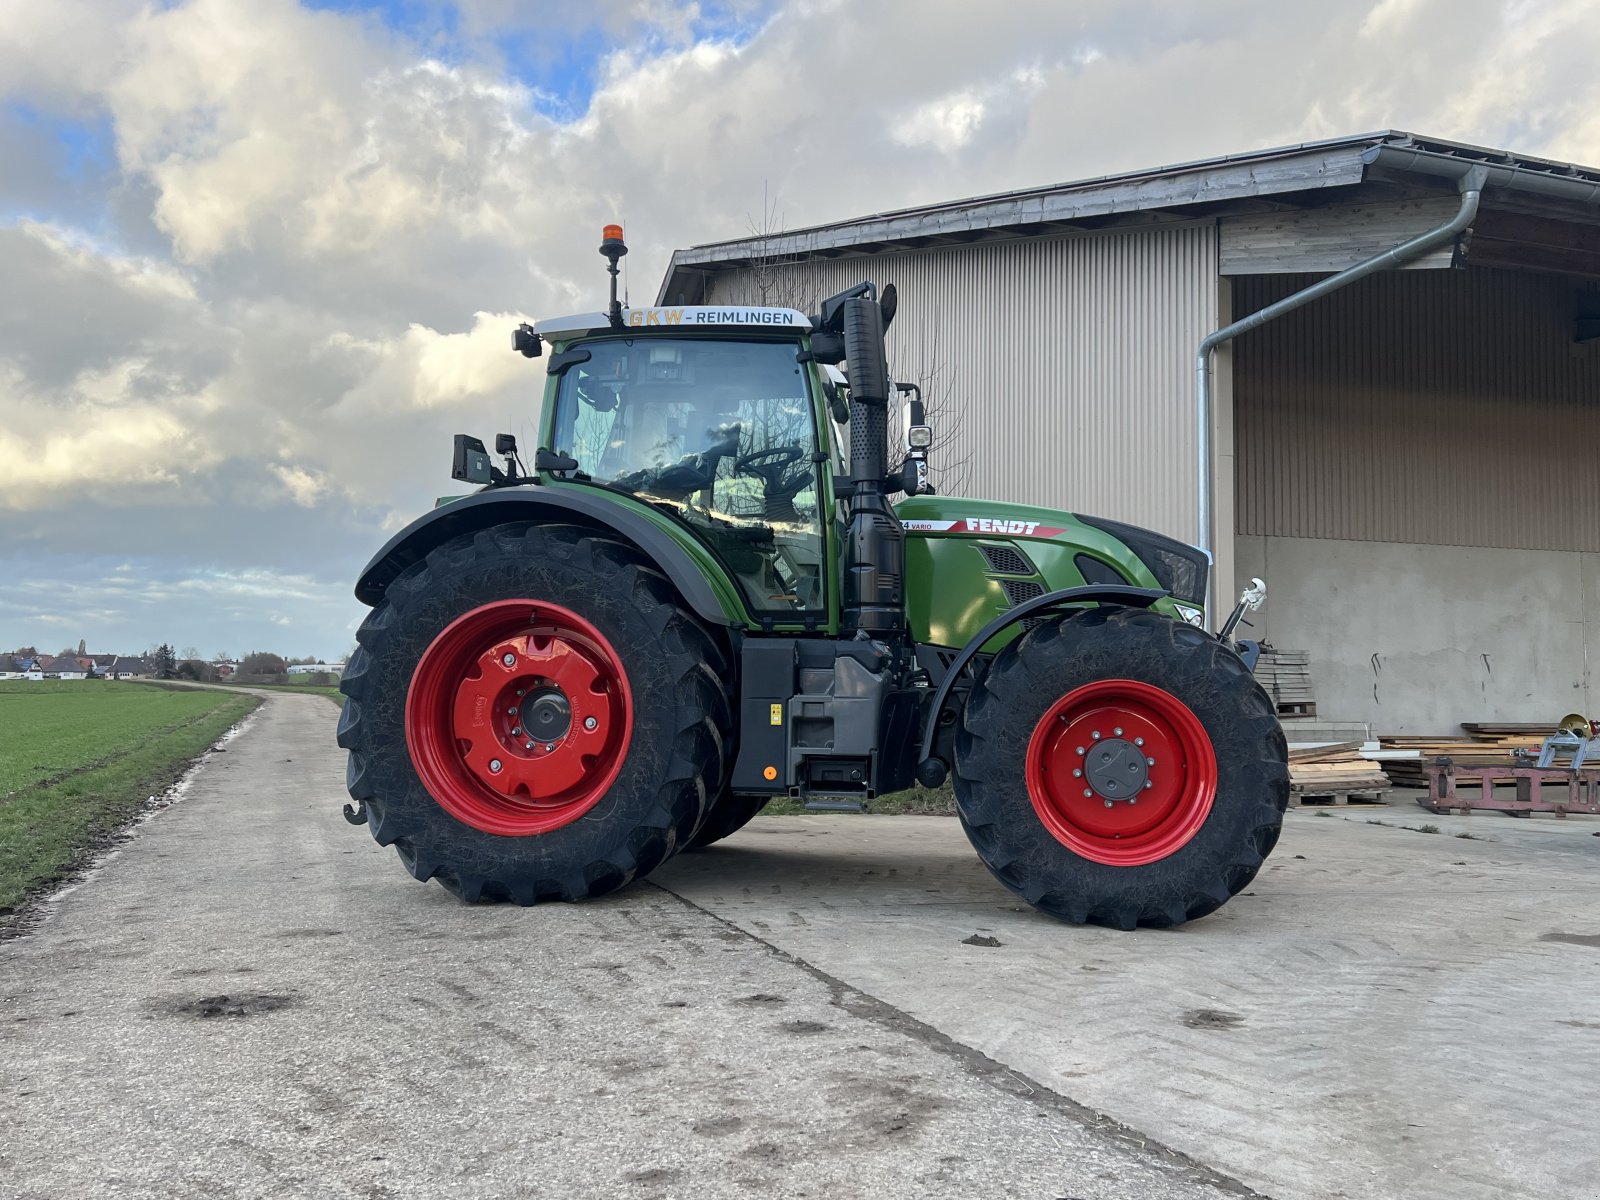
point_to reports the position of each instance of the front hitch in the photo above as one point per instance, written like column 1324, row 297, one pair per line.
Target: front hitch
column 1249, row 600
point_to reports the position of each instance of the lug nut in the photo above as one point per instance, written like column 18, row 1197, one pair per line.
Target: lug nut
column 509, row 659
column 494, row 765
column 1090, row 792
column 1108, row 804
column 1117, row 731
column 511, row 712
column 1080, row 751
column 515, row 731
column 590, row 723
column 1077, row 773
column 1149, row 783
column 1095, row 735
column 1136, row 741
column 549, row 746
column 529, row 746
column 1150, row 761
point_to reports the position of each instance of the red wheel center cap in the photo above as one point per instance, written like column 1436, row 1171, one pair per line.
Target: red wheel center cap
column 492, row 711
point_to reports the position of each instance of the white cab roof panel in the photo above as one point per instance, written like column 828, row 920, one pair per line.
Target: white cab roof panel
column 677, row 316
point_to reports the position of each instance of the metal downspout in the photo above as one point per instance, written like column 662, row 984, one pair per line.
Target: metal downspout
column 1469, row 183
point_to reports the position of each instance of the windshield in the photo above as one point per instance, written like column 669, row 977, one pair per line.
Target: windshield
column 720, row 434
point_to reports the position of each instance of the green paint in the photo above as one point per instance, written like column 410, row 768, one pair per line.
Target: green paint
column 951, row 592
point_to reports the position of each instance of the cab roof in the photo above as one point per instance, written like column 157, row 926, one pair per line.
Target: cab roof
column 675, row 317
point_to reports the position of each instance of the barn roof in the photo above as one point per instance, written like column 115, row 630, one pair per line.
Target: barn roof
column 1283, row 177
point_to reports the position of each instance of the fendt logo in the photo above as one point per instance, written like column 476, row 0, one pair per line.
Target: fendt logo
column 986, row 525
column 990, row 525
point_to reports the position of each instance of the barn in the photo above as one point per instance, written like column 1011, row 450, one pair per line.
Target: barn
column 1398, row 424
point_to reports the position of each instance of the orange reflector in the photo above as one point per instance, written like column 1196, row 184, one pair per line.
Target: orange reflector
column 769, row 773
column 611, row 233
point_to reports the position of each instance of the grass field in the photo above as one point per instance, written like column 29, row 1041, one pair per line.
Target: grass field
column 78, row 758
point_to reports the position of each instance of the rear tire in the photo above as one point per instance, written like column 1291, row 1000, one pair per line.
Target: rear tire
column 1214, row 798
column 728, row 815
column 661, row 713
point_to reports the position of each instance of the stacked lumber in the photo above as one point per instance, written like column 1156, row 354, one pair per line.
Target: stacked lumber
column 1286, row 674
column 1486, row 745
column 1333, row 770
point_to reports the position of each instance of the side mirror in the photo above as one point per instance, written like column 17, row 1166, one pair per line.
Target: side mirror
column 470, row 463
column 526, row 342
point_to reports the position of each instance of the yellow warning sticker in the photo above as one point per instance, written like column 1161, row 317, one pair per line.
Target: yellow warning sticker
column 777, row 714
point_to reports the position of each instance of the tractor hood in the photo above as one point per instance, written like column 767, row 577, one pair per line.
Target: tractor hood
column 978, row 557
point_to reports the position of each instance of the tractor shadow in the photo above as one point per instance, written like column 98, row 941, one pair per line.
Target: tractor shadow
column 850, row 866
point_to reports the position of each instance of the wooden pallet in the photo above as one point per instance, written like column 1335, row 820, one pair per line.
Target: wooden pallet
column 1371, row 796
column 1335, row 774
column 1286, row 677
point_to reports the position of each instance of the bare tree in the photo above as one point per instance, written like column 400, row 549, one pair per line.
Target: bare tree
column 778, row 279
column 949, row 459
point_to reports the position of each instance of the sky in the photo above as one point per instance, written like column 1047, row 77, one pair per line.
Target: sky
column 260, row 259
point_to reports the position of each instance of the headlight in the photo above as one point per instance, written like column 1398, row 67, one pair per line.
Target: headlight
column 919, row 437
column 1179, row 568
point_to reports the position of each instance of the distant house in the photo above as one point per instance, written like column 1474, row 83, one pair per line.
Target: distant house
column 64, row 666
column 224, row 667
column 131, row 668
column 102, row 663
column 318, row 668
column 14, row 668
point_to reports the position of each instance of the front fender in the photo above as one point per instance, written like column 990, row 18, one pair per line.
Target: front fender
column 624, row 519
column 1133, row 597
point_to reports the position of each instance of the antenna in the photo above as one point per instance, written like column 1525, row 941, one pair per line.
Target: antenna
column 613, row 247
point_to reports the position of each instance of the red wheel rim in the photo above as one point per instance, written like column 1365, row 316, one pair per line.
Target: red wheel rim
column 1092, row 782
column 518, row 717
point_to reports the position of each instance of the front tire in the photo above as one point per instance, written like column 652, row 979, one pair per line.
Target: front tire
column 1120, row 768
column 533, row 714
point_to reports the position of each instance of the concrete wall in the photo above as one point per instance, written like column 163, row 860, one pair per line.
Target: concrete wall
column 1417, row 639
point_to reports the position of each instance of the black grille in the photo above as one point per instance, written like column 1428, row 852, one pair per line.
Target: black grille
column 1020, row 591
column 1004, row 560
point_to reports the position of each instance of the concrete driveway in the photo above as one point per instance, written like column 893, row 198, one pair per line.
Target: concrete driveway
column 252, row 999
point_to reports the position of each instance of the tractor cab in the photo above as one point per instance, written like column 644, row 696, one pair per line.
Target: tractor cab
column 710, row 416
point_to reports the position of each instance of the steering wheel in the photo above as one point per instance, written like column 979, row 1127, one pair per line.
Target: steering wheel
column 768, row 464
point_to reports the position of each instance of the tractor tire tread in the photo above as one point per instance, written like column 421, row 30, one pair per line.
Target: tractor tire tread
column 697, row 755
column 1106, row 642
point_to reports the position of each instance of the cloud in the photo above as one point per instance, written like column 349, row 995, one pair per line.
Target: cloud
column 262, row 259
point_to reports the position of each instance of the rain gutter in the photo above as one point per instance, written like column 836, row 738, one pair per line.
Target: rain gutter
column 1470, row 179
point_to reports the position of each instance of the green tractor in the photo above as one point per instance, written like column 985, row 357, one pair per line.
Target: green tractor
column 700, row 597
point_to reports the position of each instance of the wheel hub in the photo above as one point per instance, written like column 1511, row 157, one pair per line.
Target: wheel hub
column 1116, row 769
column 546, row 715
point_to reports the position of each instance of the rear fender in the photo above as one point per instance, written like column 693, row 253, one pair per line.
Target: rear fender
column 597, row 510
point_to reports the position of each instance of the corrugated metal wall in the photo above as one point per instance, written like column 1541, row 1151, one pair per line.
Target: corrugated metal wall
column 1061, row 367
column 1439, row 407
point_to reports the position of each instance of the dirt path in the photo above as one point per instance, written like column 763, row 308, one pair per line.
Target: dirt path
column 252, row 999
